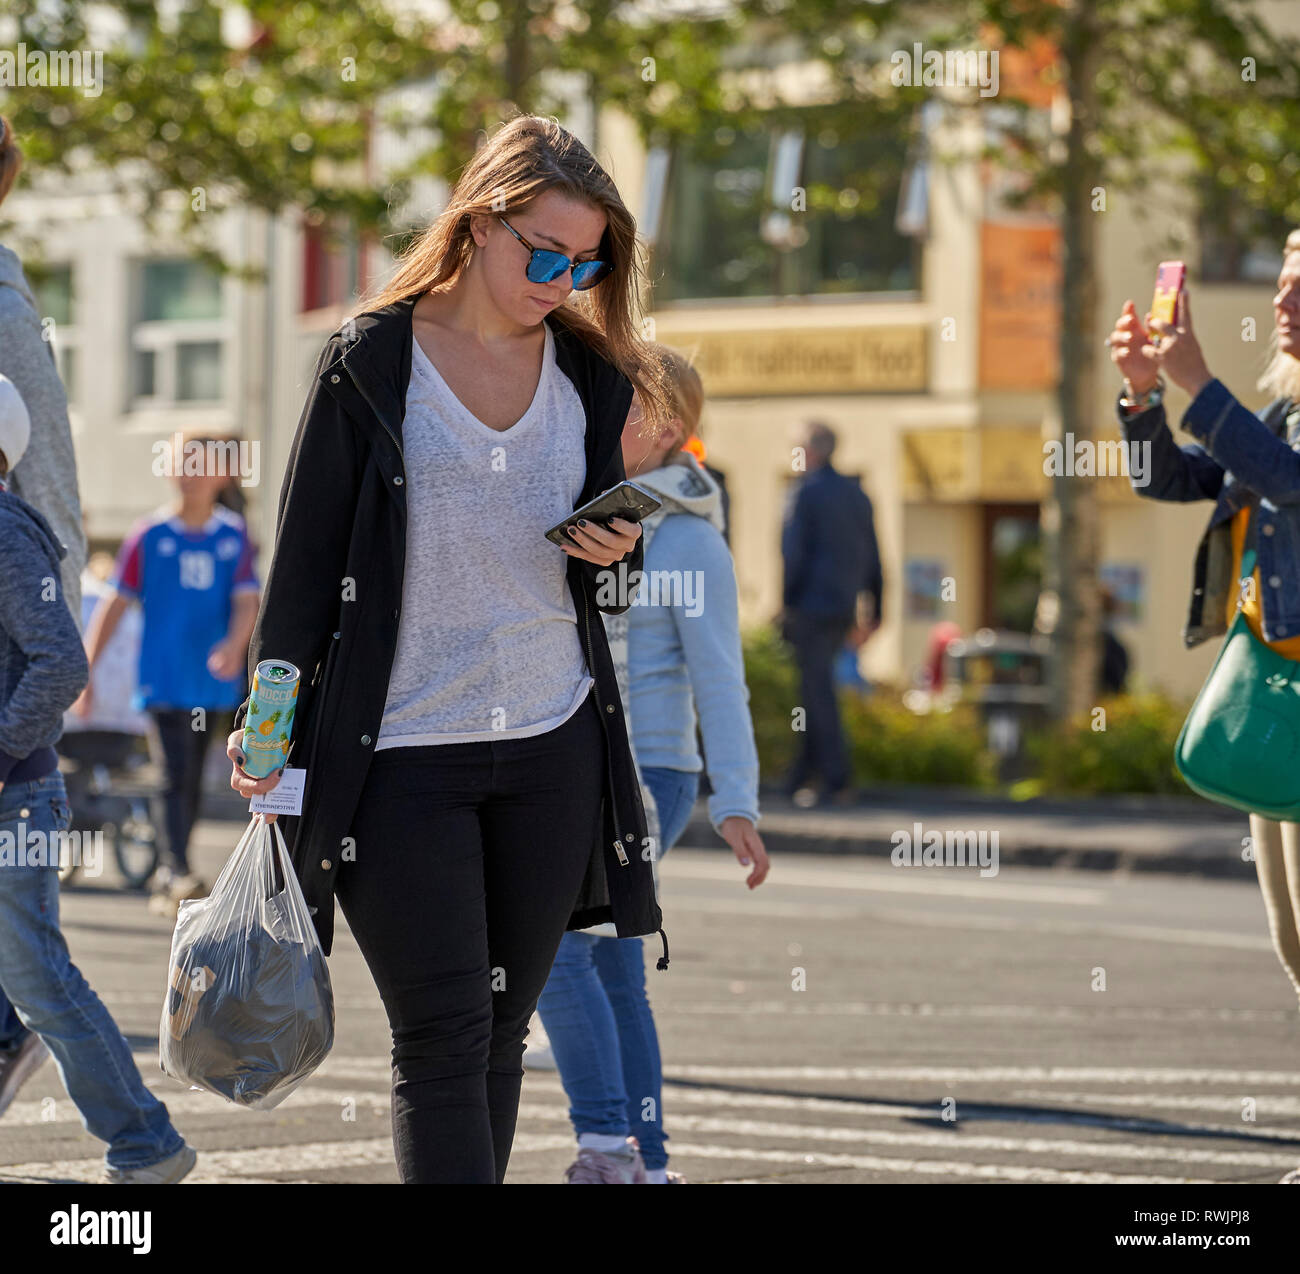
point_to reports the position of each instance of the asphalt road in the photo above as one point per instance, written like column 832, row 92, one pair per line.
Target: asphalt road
column 951, row 1028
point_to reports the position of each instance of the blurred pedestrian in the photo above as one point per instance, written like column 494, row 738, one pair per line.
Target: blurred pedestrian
column 190, row 566
column 47, row 476
column 46, row 1007
column 677, row 655
column 832, row 591
column 1248, row 465
column 470, row 788
column 942, row 635
column 1114, row 656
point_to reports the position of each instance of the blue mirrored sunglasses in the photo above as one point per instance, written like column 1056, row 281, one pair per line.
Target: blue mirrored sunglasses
column 545, row 266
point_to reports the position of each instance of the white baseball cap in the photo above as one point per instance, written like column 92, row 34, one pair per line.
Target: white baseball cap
column 15, row 423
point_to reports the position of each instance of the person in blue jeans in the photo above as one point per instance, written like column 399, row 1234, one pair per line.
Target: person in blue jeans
column 676, row 653
column 46, row 1007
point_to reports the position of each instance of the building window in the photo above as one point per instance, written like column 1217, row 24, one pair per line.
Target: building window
column 720, row 240
column 852, row 243
column 330, row 268
column 179, row 337
column 52, row 286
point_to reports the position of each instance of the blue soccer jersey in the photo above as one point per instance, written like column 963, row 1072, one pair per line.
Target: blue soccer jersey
column 185, row 578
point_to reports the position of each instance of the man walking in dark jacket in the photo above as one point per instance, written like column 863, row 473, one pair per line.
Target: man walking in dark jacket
column 832, row 576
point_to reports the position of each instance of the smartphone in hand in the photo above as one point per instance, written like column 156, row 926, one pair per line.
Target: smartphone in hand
column 1169, row 284
column 627, row 500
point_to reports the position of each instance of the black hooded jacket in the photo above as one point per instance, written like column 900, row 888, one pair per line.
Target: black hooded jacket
column 333, row 596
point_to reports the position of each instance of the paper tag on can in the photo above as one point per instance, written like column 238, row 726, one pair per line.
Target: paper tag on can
column 284, row 798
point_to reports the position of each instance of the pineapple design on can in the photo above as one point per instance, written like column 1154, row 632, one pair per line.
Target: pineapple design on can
column 269, row 722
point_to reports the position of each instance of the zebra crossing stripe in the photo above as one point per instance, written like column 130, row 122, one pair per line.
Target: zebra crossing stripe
column 218, row 1166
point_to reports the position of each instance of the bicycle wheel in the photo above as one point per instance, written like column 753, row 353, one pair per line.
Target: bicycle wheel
column 135, row 845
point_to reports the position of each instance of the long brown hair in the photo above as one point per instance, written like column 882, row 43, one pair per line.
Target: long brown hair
column 528, row 155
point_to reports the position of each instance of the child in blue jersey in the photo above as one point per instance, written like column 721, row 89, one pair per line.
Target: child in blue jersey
column 191, row 566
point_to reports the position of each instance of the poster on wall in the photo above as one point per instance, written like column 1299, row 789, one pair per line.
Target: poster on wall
column 1124, row 581
column 923, row 582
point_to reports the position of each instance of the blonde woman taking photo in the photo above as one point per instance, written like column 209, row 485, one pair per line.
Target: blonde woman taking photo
column 1250, row 467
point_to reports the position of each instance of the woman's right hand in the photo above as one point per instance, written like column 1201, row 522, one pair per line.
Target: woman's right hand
column 245, row 784
column 1140, row 371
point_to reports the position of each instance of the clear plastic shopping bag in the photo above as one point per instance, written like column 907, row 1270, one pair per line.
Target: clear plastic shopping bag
column 249, row 1011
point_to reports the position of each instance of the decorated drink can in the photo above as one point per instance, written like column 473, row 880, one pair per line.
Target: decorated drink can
column 269, row 722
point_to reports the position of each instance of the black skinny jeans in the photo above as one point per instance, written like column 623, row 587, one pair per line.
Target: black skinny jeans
column 468, row 860
column 182, row 751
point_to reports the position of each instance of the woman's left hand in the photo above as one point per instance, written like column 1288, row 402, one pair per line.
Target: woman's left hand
column 1178, row 351
column 747, row 845
column 603, row 545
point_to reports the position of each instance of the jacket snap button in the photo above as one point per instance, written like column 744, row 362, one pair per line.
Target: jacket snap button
column 1274, row 581
column 1267, row 528
column 326, row 864
column 334, row 380
column 609, row 707
column 337, row 636
column 24, row 813
column 397, row 482
column 1198, row 591
column 365, row 738
column 630, row 837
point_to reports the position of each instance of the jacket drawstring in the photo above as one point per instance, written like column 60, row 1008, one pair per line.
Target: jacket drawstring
column 662, row 962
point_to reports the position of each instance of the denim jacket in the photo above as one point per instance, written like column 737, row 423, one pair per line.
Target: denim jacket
column 1239, row 457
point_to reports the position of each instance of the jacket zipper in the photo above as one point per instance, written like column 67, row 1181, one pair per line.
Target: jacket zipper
column 586, row 623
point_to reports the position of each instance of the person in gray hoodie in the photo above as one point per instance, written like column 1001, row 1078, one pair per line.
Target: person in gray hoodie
column 678, row 659
column 46, row 1005
column 47, row 477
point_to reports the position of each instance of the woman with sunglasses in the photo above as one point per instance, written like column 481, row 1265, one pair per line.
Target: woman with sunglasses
column 470, row 793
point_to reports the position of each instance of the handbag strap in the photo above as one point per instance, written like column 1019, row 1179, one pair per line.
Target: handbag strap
column 1248, row 554
column 1250, row 544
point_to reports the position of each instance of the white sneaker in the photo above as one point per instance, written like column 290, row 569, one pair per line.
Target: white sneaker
column 183, row 888
column 167, row 1173
column 592, row 1168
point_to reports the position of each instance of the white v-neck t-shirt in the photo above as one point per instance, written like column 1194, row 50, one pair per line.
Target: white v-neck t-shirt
column 487, row 644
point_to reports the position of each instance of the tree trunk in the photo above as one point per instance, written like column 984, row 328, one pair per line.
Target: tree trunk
column 1074, row 523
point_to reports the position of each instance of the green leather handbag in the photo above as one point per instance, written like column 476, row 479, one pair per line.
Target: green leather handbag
column 1240, row 744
